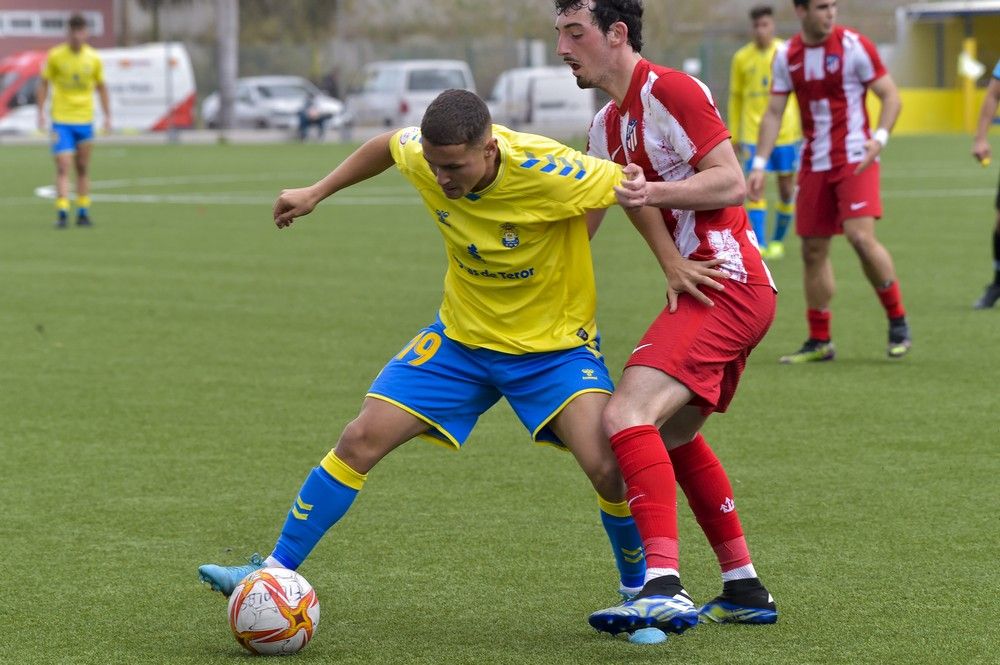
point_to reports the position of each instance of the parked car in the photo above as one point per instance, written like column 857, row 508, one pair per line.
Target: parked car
column 396, row 93
column 273, row 102
column 151, row 87
column 540, row 96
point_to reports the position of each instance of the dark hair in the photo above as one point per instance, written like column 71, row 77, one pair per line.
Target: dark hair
column 608, row 12
column 760, row 11
column 77, row 22
column 800, row 3
column 455, row 117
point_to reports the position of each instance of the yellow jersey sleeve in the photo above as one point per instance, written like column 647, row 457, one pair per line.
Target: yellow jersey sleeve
column 73, row 77
column 520, row 277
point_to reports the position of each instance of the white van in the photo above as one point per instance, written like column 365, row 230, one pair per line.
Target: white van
column 396, row 93
column 540, row 97
column 151, row 88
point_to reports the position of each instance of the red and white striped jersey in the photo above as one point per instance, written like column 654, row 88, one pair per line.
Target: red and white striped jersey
column 667, row 123
column 830, row 81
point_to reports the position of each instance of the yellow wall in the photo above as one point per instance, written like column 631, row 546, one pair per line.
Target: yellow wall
column 929, row 111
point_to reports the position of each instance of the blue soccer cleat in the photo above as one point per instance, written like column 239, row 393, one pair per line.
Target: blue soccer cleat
column 661, row 604
column 742, row 601
column 225, row 578
column 643, row 635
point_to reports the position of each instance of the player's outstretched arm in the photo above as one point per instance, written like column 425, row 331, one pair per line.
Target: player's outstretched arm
column 366, row 162
column 767, row 136
column 717, row 184
column 980, row 145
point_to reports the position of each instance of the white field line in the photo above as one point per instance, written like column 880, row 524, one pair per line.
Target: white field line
column 361, row 196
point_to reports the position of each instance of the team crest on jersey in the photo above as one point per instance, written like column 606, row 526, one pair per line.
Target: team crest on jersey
column 631, row 140
column 832, row 64
column 508, row 236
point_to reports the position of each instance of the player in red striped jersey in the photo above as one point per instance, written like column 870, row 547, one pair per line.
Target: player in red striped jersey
column 830, row 68
column 664, row 125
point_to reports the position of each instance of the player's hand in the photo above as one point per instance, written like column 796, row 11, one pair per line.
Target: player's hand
column 685, row 276
column 41, row 121
column 872, row 150
column 981, row 151
column 293, row 203
column 634, row 190
column 755, row 185
column 106, row 128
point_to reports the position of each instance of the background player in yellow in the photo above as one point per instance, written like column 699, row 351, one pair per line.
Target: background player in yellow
column 749, row 92
column 73, row 71
column 517, row 320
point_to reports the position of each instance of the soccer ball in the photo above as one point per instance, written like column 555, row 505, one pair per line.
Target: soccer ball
column 273, row 611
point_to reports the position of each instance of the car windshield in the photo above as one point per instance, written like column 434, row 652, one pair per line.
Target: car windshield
column 435, row 79
column 382, row 80
column 283, row 91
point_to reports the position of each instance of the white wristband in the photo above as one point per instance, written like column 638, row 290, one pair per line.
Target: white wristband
column 758, row 163
column 881, row 135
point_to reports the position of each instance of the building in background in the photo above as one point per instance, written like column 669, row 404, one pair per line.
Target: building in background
column 38, row 25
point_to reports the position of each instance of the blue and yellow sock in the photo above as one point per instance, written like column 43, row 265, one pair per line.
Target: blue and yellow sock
column 82, row 206
column 783, row 219
column 62, row 208
column 757, row 210
column 625, row 543
column 325, row 497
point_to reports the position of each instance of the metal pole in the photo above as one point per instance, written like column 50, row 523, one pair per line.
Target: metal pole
column 227, row 31
column 172, row 136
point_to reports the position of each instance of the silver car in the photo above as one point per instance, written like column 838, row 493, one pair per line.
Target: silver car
column 273, row 102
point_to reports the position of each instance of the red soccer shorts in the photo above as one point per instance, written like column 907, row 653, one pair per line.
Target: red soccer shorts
column 827, row 198
column 706, row 348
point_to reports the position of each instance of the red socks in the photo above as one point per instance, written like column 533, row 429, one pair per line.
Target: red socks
column 652, row 493
column 704, row 481
column 890, row 297
column 892, row 300
column 819, row 324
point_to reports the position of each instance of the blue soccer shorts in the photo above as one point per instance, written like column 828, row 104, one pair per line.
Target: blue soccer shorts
column 784, row 158
column 449, row 385
column 66, row 137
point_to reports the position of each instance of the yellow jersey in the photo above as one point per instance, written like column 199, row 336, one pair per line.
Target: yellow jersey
column 73, row 75
column 749, row 93
column 520, row 277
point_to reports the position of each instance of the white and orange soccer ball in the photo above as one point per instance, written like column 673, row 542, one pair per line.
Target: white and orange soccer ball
column 273, row 611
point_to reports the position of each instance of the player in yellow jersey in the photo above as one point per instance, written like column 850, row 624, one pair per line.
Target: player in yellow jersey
column 517, row 320
column 749, row 92
column 73, row 71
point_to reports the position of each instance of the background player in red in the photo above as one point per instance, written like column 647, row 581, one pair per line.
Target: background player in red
column 665, row 126
column 830, row 68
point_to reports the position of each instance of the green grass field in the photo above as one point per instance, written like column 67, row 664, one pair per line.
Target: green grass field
column 169, row 377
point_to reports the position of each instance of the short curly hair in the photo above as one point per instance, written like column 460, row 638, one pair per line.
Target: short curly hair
column 608, row 12
column 455, row 117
